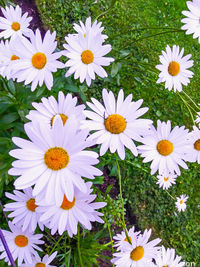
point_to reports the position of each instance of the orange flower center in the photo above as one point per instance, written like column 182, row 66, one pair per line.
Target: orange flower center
column 126, row 239
column 30, row 204
column 197, row 145
column 40, row 264
column 63, row 117
column 56, row 158
column 166, row 179
column 21, row 241
column 87, row 57
column 66, row 204
column 14, row 57
column 39, row 60
column 165, row 147
column 174, row 68
column 165, row 266
column 15, row 26
column 115, row 124
column 181, row 202
column 137, row 253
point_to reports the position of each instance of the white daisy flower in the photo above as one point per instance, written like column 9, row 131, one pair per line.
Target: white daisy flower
column 24, row 210
column 70, row 213
column 86, row 56
column 49, row 108
column 13, row 24
column 88, row 26
column 139, row 254
column 191, row 23
column 7, row 56
column 166, row 180
column 54, row 160
column 37, row 59
column 22, row 244
column 174, row 68
column 38, row 262
column 194, row 153
column 167, row 257
column 116, row 123
column 121, row 239
column 180, row 203
column 166, row 148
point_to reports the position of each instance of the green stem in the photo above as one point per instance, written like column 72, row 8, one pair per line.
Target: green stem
column 186, row 104
column 191, row 100
column 120, row 191
column 56, row 244
column 106, row 11
column 153, row 35
column 78, row 247
column 110, row 234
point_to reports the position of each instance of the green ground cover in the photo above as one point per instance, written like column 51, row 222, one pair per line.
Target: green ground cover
column 138, row 31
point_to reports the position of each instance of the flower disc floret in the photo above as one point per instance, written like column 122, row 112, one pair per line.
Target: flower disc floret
column 137, row 253
column 66, row 204
column 16, row 26
column 40, row 264
column 56, row 158
column 63, row 117
column 87, row 57
column 165, row 147
column 14, row 57
column 30, row 204
column 197, row 145
column 174, row 68
column 39, row 60
column 115, row 124
column 21, row 241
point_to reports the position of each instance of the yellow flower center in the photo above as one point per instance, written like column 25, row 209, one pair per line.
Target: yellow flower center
column 63, row 117
column 181, row 202
column 165, row 266
column 39, row 60
column 166, row 179
column 174, row 68
column 126, row 239
column 197, row 145
column 14, row 57
column 165, row 147
column 30, row 204
column 40, row 264
column 15, row 26
column 56, row 158
column 66, row 204
column 87, row 57
column 115, row 124
column 21, row 241
column 137, row 253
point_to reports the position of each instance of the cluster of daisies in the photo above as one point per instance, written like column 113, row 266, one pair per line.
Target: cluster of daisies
column 135, row 250
column 29, row 58
column 51, row 190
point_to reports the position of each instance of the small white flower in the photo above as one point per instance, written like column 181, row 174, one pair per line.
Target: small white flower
column 166, row 180
column 55, row 160
column 95, row 28
column 22, row 244
column 38, row 262
column 166, row 148
column 65, row 107
column 24, row 210
column 180, row 203
column 192, row 21
column 37, row 59
column 121, row 239
column 167, row 257
column 139, row 254
column 174, row 68
column 70, row 213
column 86, row 56
column 13, row 24
column 117, row 122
